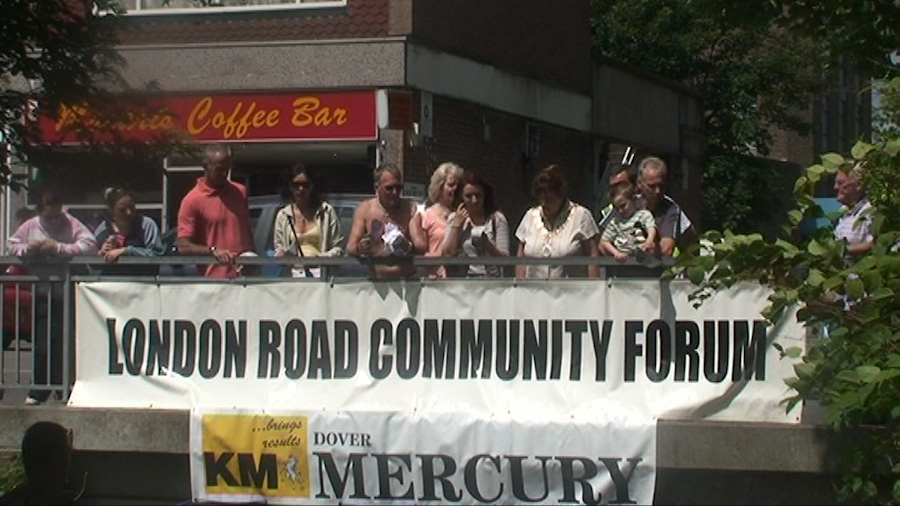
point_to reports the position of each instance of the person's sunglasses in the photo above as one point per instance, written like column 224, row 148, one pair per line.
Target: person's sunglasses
column 296, row 185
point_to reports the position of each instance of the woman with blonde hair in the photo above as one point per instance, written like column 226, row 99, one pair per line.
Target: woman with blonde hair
column 428, row 226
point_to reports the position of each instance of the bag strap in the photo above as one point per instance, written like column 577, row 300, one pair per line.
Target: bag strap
column 297, row 241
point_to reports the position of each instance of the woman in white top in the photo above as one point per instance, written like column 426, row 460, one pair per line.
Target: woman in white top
column 477, row 227
column 308, row 226
column 556, row 227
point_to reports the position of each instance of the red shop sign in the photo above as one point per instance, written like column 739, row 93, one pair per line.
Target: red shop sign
column 244, row 117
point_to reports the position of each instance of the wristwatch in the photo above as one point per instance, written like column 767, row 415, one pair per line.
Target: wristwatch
column 212, row 250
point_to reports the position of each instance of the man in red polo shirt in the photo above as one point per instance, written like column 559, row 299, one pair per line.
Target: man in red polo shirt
column 214, row 218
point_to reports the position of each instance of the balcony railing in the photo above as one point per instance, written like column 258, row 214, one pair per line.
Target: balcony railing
column 37, row 312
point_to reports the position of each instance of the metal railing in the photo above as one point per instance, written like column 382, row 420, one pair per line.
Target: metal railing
column 37, row 311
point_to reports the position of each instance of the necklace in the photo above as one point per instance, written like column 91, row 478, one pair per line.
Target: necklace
column 553, row 227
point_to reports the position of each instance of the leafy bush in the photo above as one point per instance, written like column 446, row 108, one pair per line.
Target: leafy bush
column 851, row 309
column 12, row 474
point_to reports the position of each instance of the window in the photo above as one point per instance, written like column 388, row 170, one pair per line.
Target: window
column 212, row 6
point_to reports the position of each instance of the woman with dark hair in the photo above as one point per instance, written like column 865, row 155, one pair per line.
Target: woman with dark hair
column 53, row 233
column 308, row 226
column 556, row 227
column 127, row 232
column 477, row 227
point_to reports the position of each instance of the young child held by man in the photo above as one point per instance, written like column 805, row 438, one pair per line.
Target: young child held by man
column 631, row 231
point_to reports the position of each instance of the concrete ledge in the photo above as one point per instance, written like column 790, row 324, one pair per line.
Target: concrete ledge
column 128, row 456
column 121, row 430
column 680, row 445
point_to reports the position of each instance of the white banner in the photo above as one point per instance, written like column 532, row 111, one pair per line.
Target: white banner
column 323, row 457
column 530, row 351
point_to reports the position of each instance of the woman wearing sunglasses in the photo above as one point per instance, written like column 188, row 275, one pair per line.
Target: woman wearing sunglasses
column 308, row 226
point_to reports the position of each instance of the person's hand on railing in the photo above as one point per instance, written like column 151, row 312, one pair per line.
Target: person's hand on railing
column 112, row 255
column 223, row 256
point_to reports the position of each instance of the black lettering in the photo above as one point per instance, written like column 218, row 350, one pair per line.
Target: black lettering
column 159, row 347
column 621, row 481
column 715, row 370
column 382, row 461
column 216, row 467
column 430, row 479
column 556, row 348
column 575, row 329
column 751, row 349
column 658, row 334
column 346, row 349
column 235, row 349
column 381, row 332
column 184, row 349
column 507, row 362
column 439, row 349
column 601, row 346
column 535, row 350
column 517, row 476
column 632, row 348
column 115, row 365
column 319, row 351
column 687, row 340
column 269, row 356
column 475, row 349
column 294, row 349
column 328, row 469
column 210, row 349
column 408, row 348
column 251, row 476
column 133, row 341
column 588, row 471
column 470, row 477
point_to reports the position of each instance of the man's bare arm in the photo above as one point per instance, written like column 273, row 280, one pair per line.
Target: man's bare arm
column 357, row 229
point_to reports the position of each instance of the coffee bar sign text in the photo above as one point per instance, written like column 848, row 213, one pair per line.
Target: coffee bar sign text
column 235, row 117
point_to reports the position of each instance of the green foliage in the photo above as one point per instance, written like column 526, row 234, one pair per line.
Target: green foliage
column 865, row 30
column 57, row 52
column 850, row 305
column 12, row 474
column 750, row 77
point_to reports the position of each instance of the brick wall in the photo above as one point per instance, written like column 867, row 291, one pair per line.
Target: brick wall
column 359, row 19
column 544, row 39
column 458, row 136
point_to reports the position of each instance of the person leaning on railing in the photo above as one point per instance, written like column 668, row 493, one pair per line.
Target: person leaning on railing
column 477, row 228
column 53, row 233
column 308, row 226
column 427, row 227
column 214, row 217
column 675, row 229
column 557, row 227
column 127, row 232
column 381, row 226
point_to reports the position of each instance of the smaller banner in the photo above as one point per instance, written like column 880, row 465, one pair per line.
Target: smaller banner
column 330, row 457
column 232, row 117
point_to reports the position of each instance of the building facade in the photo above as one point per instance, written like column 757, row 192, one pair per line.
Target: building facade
column 502, row 87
